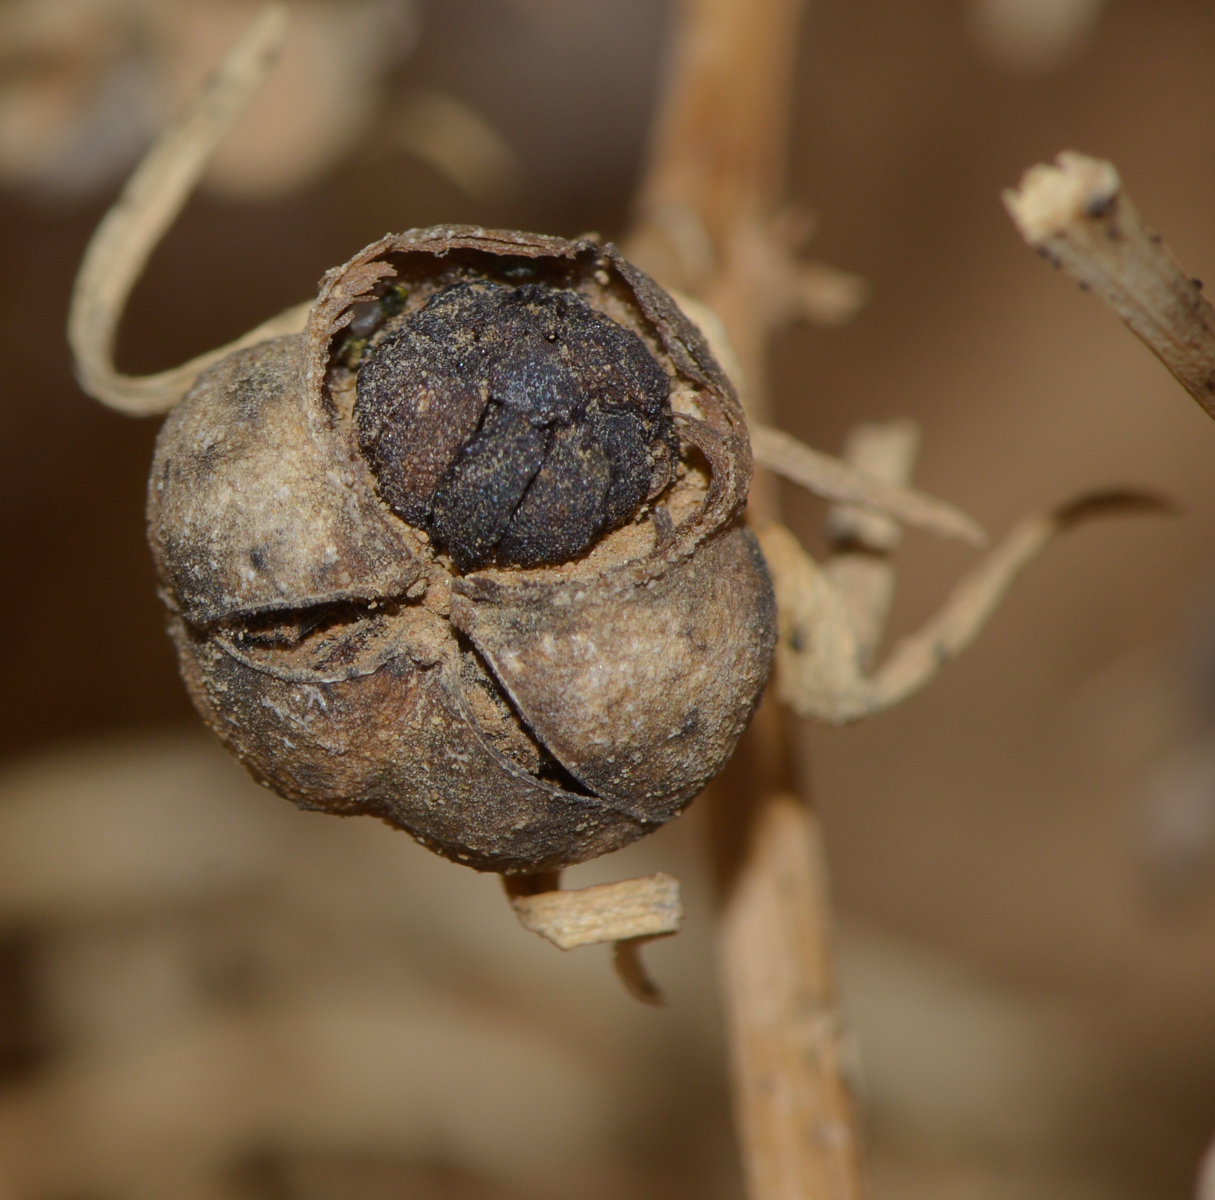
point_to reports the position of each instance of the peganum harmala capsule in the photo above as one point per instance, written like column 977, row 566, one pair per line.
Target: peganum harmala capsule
column 467, row 554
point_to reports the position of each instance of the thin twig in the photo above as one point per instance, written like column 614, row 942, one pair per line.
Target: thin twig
column 626, row 958
column 841, row 482
column 1076, row 214
column 795, row 1110
column 821, row 655
column 860, row 566
column 834, row 479
column 149, row 204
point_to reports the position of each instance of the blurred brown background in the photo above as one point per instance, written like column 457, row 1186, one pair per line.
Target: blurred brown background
column 1023, row 855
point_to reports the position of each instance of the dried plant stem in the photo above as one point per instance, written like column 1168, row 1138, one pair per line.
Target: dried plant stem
column 708, row 225
column 834, row 479
column 795, row 1110
column 845, row 483
column 860, row 566
column 830, row 616
column 149, row 204
column 776, row 935
column 1076, row 214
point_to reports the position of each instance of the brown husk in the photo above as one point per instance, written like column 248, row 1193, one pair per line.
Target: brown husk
column 516, row 720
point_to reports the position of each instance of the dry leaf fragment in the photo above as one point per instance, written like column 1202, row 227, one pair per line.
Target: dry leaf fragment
column 608, row 912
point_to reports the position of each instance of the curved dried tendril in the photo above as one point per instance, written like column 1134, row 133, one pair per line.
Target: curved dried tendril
column 148, row 205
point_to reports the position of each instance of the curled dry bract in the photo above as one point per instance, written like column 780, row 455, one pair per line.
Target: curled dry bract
column 514, row 719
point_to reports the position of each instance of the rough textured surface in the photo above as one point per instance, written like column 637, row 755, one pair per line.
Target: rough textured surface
column 513, row 423
column 588, row 668
column 253, row 505
column 519, row 718
column 398, row 738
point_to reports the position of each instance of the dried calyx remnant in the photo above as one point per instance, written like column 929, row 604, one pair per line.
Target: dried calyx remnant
column 467, row 553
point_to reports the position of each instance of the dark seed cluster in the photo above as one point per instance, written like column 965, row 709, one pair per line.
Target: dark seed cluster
column 511, row 394
column 514, row 424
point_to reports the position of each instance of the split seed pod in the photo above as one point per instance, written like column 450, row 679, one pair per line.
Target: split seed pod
column 467, row 553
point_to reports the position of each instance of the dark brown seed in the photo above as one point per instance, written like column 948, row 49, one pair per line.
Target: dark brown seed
column 514, row 424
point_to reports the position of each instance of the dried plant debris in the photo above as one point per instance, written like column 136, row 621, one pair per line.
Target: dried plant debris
column 467, row 554
column 1075, row 213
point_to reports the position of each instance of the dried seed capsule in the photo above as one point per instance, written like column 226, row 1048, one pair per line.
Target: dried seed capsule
column 466, row 555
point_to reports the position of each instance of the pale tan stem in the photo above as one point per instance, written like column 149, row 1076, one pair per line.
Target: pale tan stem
column 709, row 217
column 626, row 958
column 860, row 567
column 796, row 1113
column 150, row 202
column 717, row 158
column 820, row 667
column 830, row 478
column 917, row 659
column 822, row 294
column 841, row 482
column 711, row 211
column 1076, row 214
